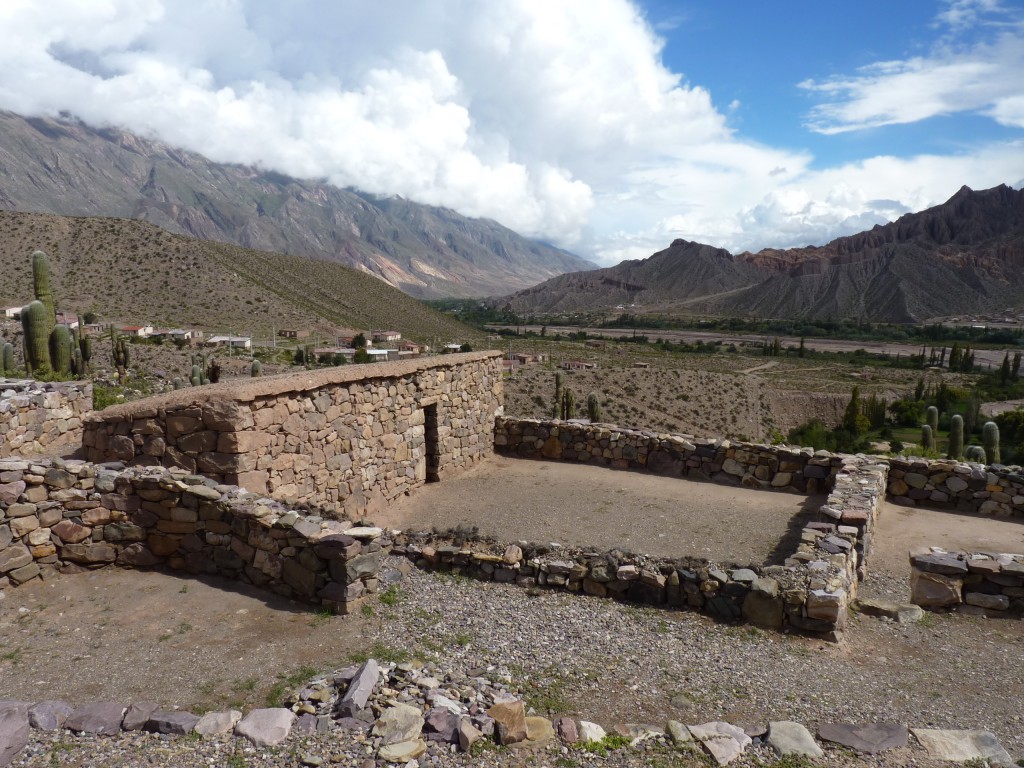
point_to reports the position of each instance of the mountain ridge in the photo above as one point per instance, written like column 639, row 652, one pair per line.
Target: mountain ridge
column 962, row 256
column 65, row 167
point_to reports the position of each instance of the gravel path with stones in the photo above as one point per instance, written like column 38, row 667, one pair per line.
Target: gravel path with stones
column 615, row 664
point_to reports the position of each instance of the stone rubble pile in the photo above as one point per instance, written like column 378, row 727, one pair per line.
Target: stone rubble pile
column 986, row 584
column 412, row 713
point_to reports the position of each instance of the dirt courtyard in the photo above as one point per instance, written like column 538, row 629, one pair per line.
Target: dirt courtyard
column 579, row 505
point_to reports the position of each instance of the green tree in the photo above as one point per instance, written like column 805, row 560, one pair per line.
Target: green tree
column 854, row 420
column 359, row 341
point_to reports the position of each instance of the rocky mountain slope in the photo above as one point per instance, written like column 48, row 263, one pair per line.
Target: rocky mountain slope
column 65, row 167
column 133, row 271
column 963, row 256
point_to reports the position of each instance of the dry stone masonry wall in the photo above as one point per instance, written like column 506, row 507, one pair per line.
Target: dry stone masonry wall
column 39, row 417
column 748, row 464
column 990, row 584
column 810, row 592
column 349, row 439
column 70, row 515
column 965, row 487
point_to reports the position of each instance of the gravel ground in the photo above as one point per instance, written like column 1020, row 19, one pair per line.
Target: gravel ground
column 616, row 664
column 580, row 505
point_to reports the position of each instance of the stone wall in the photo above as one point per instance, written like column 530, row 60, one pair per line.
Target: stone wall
column 70, row 515
column 38, row 417
column 957, row 485
column 810, row 592
column 349, row 439
column 723, row 461
column 972, row 582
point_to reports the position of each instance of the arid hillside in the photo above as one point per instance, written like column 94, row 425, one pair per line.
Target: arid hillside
column 133, row 271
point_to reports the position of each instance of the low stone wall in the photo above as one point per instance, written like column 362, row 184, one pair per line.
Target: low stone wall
column 349, row 439
column 724, row 461
column 963, row 486
column 69, row 515
column 39, row 417
column 972, row 582
column 811, row 592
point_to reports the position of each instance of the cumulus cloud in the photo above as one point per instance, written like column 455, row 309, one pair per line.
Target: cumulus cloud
column 557, row 119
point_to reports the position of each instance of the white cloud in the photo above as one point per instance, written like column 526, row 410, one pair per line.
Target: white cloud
column 556, row 118
column 982, row 76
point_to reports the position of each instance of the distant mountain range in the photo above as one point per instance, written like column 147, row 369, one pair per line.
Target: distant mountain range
column 65, row 167
column 964, row 256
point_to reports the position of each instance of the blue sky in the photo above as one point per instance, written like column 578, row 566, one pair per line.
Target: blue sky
column 760, row 60
column 607, row 127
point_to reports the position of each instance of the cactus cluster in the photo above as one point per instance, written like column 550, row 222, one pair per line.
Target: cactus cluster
column 120, row 355
column 975, row 453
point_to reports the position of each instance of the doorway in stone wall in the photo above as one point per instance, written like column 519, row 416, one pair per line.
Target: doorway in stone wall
column 432, row 442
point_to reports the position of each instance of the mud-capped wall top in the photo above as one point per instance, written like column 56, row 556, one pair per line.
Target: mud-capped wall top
column 350, row 438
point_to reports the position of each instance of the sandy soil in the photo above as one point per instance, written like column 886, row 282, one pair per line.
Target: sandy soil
column 901, row 528
column 177, row 640
column 518, row 499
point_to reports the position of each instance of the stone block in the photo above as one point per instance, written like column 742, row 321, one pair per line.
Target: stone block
column 934, row 590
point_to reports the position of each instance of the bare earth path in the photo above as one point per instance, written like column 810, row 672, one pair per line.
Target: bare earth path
column 579, row 505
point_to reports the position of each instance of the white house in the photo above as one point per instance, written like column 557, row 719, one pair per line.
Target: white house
column 235, row 342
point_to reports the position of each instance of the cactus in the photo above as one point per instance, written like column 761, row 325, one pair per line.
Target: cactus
column 8, row 358
column 177, row 383
column 559, row 406
column 60, row 350
column 932, row 419
column 956, row 436
column 256, row 369
column 77, row 364
column 927, row 437
column 197, row 376
column 990, row 437
column 120, row 354
column 85, row 347
column 975, row 453
column 41, row 284
column 568, row 404
column 37, row 334
column 593, row 408
column 213, row 372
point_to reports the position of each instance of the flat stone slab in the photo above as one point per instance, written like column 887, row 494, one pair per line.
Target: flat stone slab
column 102, row 718
column 723, row 741
column 173, row 722
column 870, row 738
column 359, row 690
column 14, row 729
column 902, row 613
column 403, row 751
column 217, row 723
column 399, row 723
column 789, row 738
column 945, row 563
column 266, row 727
column 49, row 715
column 961, row 746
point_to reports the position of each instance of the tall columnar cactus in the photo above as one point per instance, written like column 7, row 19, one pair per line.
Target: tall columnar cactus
column 558, row 407
column 8, row 358
column 37, row 336
column 975, row 453
column 932, row 419
column 990, row 437
column 927, row 437
column 41, row 284
column 956, row 436
column 77, row 364
column 120, row 355
column 197, row 376
column 256, row 369
column 85, row 347
column 568, row 404
column 60, row 350
column 593, row 407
